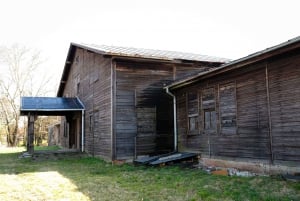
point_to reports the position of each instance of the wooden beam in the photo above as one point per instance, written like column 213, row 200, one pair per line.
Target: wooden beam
column 30, row 134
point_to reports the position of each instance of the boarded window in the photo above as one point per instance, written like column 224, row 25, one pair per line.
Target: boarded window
column 209, row 120
column 208, row 108
column 192, row 104
column 227, row 108
column 208, row 99
column 193, row 122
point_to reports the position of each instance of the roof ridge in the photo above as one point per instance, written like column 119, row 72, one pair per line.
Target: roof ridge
column 151, row 53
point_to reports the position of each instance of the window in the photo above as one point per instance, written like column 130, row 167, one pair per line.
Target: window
column 193, row 122
column 227, row 108
column 209, row 120
column 209, row 110
column 208, row 98
column 192, row 108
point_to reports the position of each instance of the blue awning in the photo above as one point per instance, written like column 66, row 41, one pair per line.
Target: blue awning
column 50, row 105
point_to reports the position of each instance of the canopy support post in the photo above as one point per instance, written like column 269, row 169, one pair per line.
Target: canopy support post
column 30, row 134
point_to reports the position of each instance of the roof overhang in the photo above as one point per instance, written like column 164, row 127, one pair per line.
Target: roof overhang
column 282, row 48
column 50, row 106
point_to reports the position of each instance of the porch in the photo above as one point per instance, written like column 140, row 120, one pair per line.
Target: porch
column 71, row 108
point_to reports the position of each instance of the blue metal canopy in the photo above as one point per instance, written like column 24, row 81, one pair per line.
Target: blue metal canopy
column 49, row 105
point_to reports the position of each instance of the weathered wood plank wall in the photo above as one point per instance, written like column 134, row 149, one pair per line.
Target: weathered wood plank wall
column 139, row 97
column 90, row 80
column 284, row 87
column 244, row 128
column 100, row 84
column 144, row 113
column 127, row 112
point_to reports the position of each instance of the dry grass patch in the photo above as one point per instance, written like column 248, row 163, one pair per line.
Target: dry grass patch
column 86, row 178
column 39, row 186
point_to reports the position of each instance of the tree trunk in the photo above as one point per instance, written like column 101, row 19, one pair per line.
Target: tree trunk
column 12, row 136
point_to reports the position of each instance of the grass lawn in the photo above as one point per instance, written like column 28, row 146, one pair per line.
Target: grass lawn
column 86, row 178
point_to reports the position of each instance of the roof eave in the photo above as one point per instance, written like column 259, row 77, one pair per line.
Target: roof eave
column 66, row 70
column 239, row 63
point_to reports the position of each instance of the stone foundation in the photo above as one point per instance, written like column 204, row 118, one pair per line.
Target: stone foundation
column 258, row 167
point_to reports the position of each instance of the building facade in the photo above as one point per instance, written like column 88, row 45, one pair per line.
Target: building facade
column 127, row 112
column 246, row 110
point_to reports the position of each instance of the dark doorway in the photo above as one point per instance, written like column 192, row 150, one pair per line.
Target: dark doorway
column 73, row 139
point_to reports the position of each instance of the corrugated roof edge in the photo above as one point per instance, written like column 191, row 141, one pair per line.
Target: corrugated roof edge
column 149, row 53
column 193, row 78
column 134, row 53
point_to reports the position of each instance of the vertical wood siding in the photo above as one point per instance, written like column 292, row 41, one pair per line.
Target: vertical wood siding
column 284, row 83
column 144, row 113
column 140, row 98
column 241, row 102
column 125, row 103
column 252, row 115
column 90, row 80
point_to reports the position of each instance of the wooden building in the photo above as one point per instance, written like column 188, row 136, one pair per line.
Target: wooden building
column 127, row 112
column 246, row 110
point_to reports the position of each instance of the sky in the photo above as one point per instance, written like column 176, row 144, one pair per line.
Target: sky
column 229, row 29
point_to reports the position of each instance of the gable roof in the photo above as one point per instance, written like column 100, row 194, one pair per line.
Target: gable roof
column 134, row 53
column 239, row 63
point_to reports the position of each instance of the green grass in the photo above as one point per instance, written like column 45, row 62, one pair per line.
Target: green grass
column 46, row 148
column 86, row 178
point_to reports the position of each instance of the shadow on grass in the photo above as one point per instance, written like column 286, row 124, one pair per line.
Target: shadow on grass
column 94, row 179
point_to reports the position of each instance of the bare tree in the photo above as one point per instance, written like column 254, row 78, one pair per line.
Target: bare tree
column 21, row 76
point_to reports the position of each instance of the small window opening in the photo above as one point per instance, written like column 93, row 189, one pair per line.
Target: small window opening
column 209, row 119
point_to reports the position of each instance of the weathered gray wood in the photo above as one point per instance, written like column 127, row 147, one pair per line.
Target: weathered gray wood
column 94, row 74
column 140, row 92
column 121, row 95
column 263, row 103
column 284, row 79
column 227, row 108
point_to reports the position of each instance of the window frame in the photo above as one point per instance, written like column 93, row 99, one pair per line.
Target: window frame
column 208, row 107
column 194, row 116
column 212, row 126
column 233, row 121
